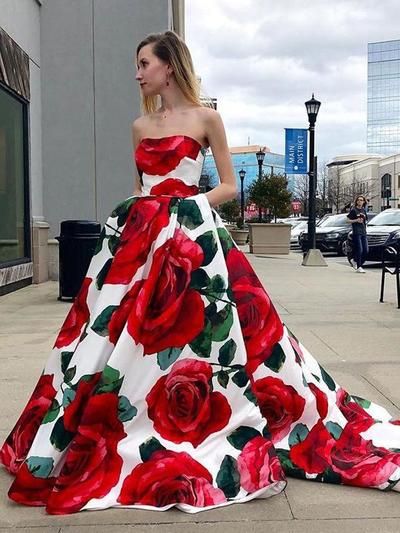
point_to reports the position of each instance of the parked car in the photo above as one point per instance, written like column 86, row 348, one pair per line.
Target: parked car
column 295, row 233
column 384, row 230
column 331, row 234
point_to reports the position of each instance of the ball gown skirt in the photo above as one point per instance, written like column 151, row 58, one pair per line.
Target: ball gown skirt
column 173, row 381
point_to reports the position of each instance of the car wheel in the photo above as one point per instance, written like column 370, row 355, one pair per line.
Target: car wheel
column 342, row 249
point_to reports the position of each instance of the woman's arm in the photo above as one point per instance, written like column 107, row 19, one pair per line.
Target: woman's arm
column 215, row 133
column 137, row 187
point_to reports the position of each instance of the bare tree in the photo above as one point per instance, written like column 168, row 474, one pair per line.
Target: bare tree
column 335, row 189
column 323, row 186
column 301, row 191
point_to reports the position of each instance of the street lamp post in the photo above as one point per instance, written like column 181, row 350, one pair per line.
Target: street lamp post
column 260, row 159
column 313, row 256
column 388, row 194
column 242, row 174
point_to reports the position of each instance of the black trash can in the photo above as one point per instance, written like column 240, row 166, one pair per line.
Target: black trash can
column 77, row 240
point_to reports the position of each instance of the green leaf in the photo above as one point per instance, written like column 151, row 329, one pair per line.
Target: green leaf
column 216, row 288
column 241, row 436
column 40, row 466
column 327, row 379
column 126, row 411
column 110, row 381
column 316, row 377
column 100, row 325
column 173, row 205
column 101, row 276
column 60, row 437
column 227, row 353
column 241, row 378
column 100, row 240
column 225, row 240
column 250, row 395
column 334, row 429
column 122, row 210
column 110, row 374
column 298, row 434
column 113, row 242
column 199, row 279
column 70, row 374
column 223, row 378
column 287, row 465
column 167, row 357
column 68, row 397
column 228, row 478
column 201, row 345
column 209, row 246
column 329, row 476
column 189, row 214
column 277, row 358
column 52, row 413
column 365, row 404
column 65, row 360
column 147, row 448
column 221, row 322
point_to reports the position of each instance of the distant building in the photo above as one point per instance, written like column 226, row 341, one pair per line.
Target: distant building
column 245, row 157
column 383, row 126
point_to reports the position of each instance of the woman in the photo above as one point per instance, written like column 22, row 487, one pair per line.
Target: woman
column 358, row 218
column 173, row 381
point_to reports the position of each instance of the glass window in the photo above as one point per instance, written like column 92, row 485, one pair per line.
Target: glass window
column 14, row 228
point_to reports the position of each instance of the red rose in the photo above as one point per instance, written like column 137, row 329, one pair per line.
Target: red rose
column 157, row 157
column 170, row 477
column 320, row 399
column 183, row 406
column 352, row 411
column 73, row 412
column 92, row 465
column 280, row 404
column 297, row 350
column 18, row 443
column 259, row 465
column 77, row 317
column 261, row 325
column 313, row 454
column 30, row 490
column 174, row 187
column 166, row 312
column 359, row 462
column 147, row 217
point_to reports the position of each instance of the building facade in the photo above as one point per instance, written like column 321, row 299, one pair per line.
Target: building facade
column 68, row 97
column 383, row 123
column 375, row 176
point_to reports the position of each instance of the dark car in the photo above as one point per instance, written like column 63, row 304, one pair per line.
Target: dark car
column 384, row 230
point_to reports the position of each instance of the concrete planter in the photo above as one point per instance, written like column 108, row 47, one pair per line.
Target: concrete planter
column 269, row 238
column 239, row 235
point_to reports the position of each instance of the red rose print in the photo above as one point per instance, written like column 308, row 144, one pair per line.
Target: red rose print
column 147, row 217
column 352, row 411
column 259, row 465
column 166, row 312
column 18, row 443
column 280, row 404
column 182, row 405
column 30, row 490
column 297, row 350
column 260, row 323
column 170, row 477
column 73, row 412
column 321, row 400
column 361, row 463
column 76, row 318
column 314, row 453
column 157, row 157
column 92, row 465
column 174, row 187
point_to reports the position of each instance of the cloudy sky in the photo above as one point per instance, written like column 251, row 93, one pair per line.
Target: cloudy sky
column 262, row 59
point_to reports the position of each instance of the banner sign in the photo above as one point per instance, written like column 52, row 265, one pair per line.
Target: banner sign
column 296, row 151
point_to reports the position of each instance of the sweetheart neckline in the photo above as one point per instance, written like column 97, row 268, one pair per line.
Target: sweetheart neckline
column 170, row 137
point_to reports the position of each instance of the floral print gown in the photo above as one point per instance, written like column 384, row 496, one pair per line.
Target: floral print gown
column 173, row 381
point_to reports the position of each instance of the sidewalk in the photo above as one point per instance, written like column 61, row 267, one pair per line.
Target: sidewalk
column 335, row 313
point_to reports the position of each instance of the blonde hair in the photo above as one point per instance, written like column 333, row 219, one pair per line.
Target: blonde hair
column 169, row 47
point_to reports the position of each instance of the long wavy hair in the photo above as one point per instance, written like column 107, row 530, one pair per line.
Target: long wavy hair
column 169, row 47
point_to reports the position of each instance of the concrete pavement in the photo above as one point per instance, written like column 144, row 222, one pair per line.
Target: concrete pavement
column 335, row 313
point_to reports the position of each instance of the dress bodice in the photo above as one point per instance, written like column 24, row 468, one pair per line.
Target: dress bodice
column 169, row 165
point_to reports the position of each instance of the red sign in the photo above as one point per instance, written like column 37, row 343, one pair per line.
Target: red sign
column 296, row 206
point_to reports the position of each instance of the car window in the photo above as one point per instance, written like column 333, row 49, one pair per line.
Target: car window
column 387, row 218
column 335, row 220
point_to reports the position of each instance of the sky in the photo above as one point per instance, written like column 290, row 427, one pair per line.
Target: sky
column 262, row 59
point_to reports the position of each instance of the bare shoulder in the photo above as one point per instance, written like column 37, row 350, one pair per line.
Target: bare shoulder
column 209, row 115
column 139, row 124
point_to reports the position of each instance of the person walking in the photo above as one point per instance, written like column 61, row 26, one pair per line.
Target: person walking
column 358, row 218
